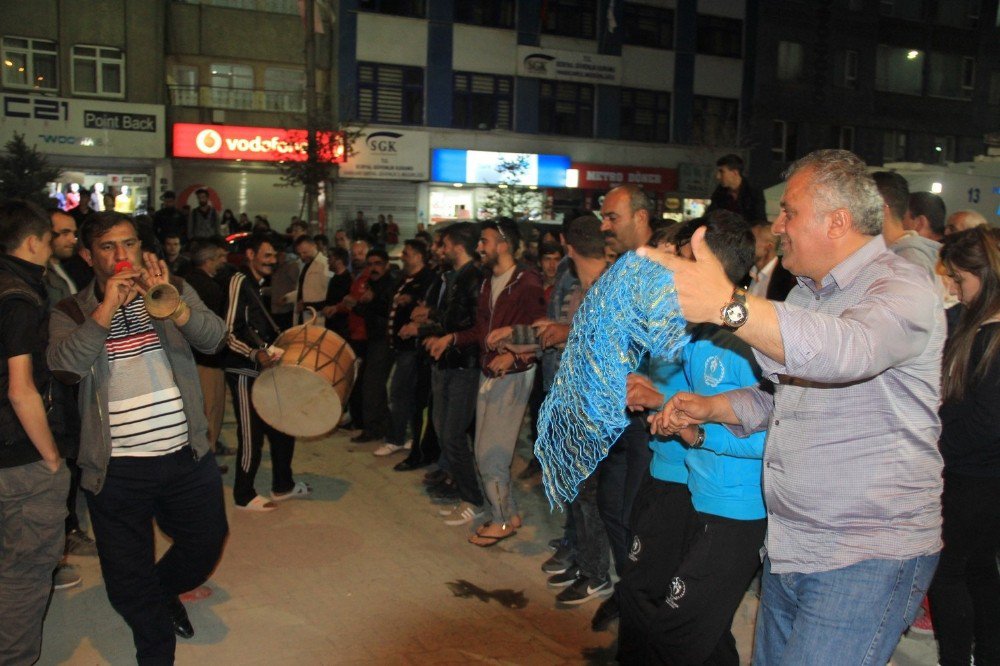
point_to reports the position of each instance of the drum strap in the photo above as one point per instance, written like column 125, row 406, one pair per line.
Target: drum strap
column 263, row 308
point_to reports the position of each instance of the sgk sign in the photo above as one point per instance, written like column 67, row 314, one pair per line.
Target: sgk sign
column 252, row 144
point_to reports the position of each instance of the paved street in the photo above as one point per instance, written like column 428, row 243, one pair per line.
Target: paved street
column 366, row 573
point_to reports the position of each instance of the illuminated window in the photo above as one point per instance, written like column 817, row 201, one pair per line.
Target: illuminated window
column 29, row 63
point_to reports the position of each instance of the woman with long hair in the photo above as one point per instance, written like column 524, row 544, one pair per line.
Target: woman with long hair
column 965, row 593
column 229, row 224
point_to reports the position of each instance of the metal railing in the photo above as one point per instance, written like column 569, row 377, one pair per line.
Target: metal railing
column 238, row 98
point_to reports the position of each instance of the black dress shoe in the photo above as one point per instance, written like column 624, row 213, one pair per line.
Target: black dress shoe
column 435, row 477
column 182, row 625
column 364, row 437
column 606, row 613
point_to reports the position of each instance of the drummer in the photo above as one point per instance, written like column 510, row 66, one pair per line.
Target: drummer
column 251, row 332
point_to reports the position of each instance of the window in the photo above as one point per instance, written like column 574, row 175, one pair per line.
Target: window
column 184, row 87
column 850, row 69
column 844, row 137
column 284, row 89
column 98, row 70
column 232, row 86
column 714, row 120
column 944, row 147
column 911, row 10
column 275, row 6
column 390, row 94
column 413, row 8
column 482, row 101
column 648, row 26
column 572, row 18
column 894, row 146
column 784, row 140
column 899, row 70
column 950, row 75
column 994, row 88
column 645, row 115
column 488, row 13
column 959, row 13
column 790, row 61
column 566, row 108
column 29, row 63
column 720, row 36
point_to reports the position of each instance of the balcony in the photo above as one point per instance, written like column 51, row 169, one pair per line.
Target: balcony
column 243, row 99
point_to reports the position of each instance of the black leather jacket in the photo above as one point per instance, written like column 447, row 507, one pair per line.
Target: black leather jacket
column 457, row 312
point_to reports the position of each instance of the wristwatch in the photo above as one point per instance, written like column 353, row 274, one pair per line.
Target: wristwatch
column 735, row 313
column 699, row 440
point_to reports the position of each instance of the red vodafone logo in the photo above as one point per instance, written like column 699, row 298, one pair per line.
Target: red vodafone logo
column 254, row 144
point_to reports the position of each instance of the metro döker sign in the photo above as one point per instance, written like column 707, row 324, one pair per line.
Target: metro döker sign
column 252, row 144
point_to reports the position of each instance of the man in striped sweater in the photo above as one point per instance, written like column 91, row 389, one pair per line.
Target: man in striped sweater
column 144, row 450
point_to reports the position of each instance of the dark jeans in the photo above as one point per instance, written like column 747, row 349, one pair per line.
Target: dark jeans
column 622, row 473
column 593, row 554
column 426, row 448
column 376, row 369
column 403, row 398
column 357, row 399
column 250, row 431
column 965, row 592
column 455, row 393
column 184, row 496
column 32, row 509
column 72, row 520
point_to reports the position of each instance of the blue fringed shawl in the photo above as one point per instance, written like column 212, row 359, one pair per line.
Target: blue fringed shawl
column 630, row 311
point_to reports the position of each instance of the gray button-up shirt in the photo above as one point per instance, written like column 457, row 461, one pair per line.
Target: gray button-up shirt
column 851, row 466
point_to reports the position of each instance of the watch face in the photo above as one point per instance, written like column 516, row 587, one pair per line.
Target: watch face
column 735, row 314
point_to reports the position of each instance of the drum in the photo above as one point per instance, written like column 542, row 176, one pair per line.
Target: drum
column 304, row 395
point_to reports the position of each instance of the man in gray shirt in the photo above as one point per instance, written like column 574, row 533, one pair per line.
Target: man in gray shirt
column 852, row 475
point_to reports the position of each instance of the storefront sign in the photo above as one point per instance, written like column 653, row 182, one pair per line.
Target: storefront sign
column 568, row 65
column 449, row 165
column 83, row 127
column 606, row 176
column 252, row 144
column 389, row 155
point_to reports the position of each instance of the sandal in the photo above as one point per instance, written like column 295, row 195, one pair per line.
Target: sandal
column 299, row 490
column 486, row 540
column 257, row 504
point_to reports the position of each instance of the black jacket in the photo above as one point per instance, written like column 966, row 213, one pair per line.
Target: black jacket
column 249, row 328
column 376, row 311
column 749, row 202
column 457, row 313
column 415, row 287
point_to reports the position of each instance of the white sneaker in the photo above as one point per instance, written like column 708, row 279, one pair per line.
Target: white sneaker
column 463, row 514
column 388, row 450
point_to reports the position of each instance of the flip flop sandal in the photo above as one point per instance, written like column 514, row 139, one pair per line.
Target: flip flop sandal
column 258, row 504
column 299, row 490
column 486, row 541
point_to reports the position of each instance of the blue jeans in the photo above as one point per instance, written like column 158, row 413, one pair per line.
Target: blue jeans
column 854, row 615
column 454, row 407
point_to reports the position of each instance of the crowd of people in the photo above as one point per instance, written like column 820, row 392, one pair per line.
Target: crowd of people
column 834, row 412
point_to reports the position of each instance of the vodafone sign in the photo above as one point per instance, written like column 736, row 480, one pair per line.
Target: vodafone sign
column 252, row 144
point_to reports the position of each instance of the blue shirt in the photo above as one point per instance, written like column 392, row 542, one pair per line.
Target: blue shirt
column 725, row 472
column 667, row 463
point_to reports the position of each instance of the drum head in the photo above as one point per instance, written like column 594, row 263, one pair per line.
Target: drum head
column 296, row 401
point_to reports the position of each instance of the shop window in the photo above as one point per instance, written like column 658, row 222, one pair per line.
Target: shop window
column 714, row 121
column 184, row 86
column 232, row 86
column 894, row 146
column 566, row 108
column 412, row 8
column 899, row 70
column 390, row 94
column 648, row 26
column 784, row 140
column 488, row 13
column 274, row 6
column 944, row 148
column 790, row 61
column 910, row 10
column 720, row 36
column 482, row 101
column 29, row 63
column 645, row 115
column 98, row 70
column 572, row 18
column 284, row 89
